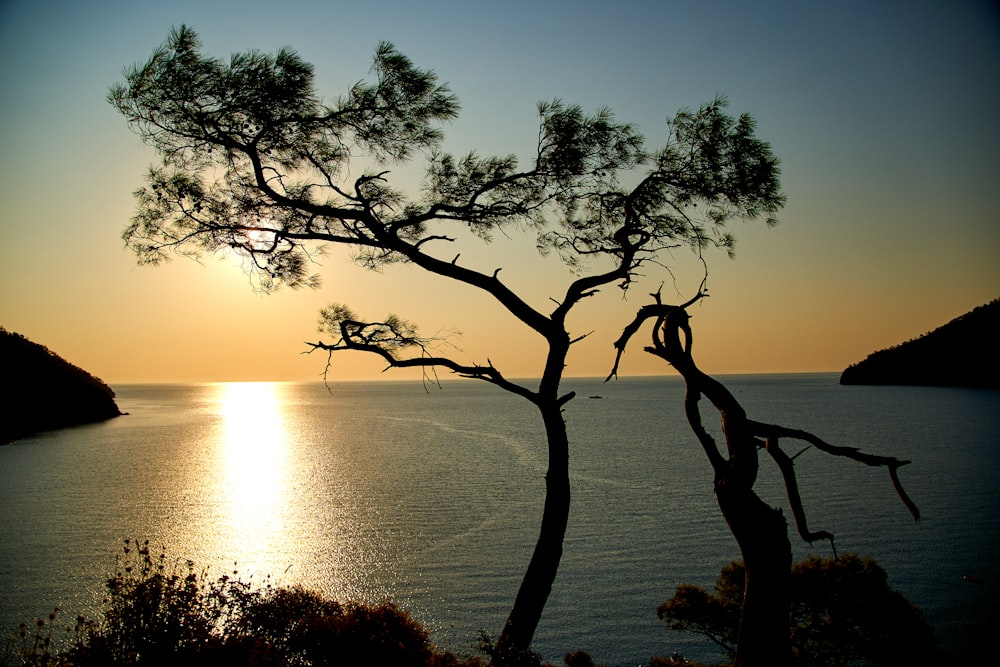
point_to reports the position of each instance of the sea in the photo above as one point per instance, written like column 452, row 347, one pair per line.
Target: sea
column 430, row 495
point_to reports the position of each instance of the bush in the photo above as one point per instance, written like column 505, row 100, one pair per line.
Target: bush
column 843, row 612
column 156, row 614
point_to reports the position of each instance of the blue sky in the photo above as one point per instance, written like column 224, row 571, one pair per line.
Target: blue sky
column 884, row 115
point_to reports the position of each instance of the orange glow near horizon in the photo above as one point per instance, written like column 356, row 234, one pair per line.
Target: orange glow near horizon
column 890, row 229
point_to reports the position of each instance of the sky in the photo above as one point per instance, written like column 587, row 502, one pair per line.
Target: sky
column 885, row 116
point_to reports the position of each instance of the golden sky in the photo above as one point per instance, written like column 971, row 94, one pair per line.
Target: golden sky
column 884, row 114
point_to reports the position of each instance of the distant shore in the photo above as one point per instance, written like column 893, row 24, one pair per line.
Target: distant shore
column 961, row 353
column 46, row 392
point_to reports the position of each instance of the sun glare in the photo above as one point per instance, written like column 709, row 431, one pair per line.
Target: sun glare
column 253, row 459
column 260, row 239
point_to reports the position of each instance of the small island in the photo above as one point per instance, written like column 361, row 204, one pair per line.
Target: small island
column 46, row 392
column 961, row 353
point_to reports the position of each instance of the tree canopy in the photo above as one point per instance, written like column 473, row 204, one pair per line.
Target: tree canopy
column 253, row 160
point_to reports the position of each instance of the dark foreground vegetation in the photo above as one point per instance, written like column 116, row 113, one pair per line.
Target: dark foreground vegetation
column 843, row 612
column 47, row 392
column 163, row 612
column 961, row 353
column 157, row 612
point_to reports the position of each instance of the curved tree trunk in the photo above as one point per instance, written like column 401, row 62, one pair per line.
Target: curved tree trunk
column 515, row 641
column 762, row 534
column 760, row 530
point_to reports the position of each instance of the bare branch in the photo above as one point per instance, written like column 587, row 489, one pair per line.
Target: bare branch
column 658, row 310
column 742, row 434
column 773, row 431
column 691, row 400
column 787, row 468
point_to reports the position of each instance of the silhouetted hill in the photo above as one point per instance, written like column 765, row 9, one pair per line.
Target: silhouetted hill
column 962, row 353
column 44, row 391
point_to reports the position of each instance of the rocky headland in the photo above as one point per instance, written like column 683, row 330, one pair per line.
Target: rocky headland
column 962, row 353
column 45, row 392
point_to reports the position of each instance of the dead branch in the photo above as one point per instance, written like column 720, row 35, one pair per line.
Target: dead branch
column 891, row 463
column 657, row 310
column 787, row 468
column 672, row 340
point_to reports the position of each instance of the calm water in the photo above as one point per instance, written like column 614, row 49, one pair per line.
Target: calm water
column 377, row 490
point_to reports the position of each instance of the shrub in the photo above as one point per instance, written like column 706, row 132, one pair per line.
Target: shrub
column 156, row 613
column 842, row 612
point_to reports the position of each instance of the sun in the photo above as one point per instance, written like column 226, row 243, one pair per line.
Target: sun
column 260, row 239
column 251, row 244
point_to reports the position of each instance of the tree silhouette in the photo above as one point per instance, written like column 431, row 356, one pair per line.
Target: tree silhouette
column 760, row 530
column 843, row 612
column 254, row 162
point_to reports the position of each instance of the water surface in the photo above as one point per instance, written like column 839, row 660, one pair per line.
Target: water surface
column 432, row 498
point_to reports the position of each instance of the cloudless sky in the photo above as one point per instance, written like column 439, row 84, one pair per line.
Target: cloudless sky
column 885, row 115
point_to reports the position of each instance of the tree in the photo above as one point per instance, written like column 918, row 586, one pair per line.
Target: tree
column 842, row 611
column 760, row 530
column 253, row 162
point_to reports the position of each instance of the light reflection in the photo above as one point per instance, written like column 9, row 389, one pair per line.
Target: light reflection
column 290, row 503
column 253, row 458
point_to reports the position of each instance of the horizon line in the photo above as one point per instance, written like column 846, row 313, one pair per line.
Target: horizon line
column 458, row 378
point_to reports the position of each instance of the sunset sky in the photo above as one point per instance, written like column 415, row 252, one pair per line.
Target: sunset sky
column 885, row 115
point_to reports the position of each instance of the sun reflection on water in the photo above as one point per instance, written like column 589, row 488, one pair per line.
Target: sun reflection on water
column 253, row 461
column 289, row 503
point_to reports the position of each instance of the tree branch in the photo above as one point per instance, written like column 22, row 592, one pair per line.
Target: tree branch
column 658, row 310
column 773, row 431
column 371, row 337
column 787, row 468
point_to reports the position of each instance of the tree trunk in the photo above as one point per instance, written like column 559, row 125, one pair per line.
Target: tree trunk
column 760, row 530
column 762, row 534
column 519, row 630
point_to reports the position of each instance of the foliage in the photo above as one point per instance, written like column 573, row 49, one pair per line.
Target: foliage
column 843, row 611
column 156, row 614
column 579, row 659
